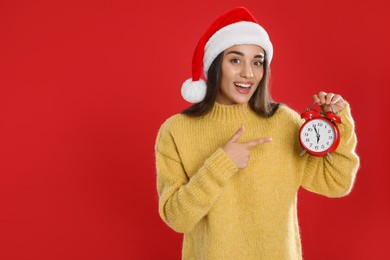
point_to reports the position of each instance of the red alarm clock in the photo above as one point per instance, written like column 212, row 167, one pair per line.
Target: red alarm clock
column 319, row 135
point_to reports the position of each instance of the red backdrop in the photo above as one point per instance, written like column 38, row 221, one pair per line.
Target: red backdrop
column 85, row 85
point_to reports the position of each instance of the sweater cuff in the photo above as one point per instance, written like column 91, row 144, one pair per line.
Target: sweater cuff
column 347, row 127
column 220, row 167
column 346, row 111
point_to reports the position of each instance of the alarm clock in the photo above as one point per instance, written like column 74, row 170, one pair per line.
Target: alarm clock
column 319, row 135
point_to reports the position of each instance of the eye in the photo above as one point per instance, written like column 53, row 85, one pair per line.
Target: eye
column 235, row 60
column 259, row 63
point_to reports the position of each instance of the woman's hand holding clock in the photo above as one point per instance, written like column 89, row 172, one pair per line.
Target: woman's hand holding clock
column 329, row 100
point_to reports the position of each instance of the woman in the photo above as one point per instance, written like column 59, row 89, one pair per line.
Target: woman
column 229, row 167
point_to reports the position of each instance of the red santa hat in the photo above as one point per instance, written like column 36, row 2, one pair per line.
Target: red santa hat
column 235, row 27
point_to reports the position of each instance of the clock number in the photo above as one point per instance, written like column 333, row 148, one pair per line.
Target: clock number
column 307, row 140
column 330, row 137
column 316, row 147
column 306, row 134
column 329, row 131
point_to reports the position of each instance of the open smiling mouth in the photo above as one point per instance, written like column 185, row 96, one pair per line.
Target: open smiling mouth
column 243, row 88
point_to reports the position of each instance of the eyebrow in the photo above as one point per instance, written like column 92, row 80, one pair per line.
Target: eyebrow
column 242, row 54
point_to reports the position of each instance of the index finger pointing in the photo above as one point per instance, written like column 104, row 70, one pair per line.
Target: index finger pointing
column 258, row 141
column 237, row 135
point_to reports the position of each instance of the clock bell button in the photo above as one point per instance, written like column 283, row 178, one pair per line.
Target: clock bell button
column 309, row 114
column 332, row 116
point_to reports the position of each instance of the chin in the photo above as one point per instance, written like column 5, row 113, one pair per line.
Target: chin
column 241, row 100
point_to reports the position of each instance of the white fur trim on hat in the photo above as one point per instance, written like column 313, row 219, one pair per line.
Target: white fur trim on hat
column 236, row 34
column 194, row 91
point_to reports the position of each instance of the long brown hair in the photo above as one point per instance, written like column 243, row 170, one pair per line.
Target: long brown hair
column 260, row 102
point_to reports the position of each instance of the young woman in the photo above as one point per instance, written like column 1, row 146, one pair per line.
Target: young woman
column 229, row 167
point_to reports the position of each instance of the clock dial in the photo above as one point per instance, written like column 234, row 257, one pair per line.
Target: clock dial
column 317, row 135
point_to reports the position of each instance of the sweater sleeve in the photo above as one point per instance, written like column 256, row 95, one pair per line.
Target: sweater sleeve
column 335, row 178
column 184, row 201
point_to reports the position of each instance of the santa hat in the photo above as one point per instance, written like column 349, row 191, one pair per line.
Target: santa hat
column 237, row 26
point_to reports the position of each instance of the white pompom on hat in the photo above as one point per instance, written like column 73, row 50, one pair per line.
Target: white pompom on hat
column 235, row 27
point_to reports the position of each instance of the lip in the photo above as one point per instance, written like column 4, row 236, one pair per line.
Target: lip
column 243, row 90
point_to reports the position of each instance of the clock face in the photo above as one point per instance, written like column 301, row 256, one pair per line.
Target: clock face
column 317, row 135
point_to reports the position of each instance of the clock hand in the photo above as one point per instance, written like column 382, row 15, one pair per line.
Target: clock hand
column 318, row 136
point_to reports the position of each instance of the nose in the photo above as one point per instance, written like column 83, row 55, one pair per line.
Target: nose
column 246, row 71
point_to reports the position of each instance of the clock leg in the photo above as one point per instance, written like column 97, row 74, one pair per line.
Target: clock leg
column 330, row 156
column 302, row 153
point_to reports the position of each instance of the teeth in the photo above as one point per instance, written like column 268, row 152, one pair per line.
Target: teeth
column 242, row 85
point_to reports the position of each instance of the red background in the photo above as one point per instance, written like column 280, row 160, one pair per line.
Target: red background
column 85, row 85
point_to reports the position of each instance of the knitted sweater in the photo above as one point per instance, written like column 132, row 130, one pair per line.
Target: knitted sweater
column 227, row 213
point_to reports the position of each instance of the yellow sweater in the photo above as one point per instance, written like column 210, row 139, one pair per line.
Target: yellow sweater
column 227, row 213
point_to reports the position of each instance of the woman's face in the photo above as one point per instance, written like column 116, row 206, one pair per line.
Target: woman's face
column 242, row 71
